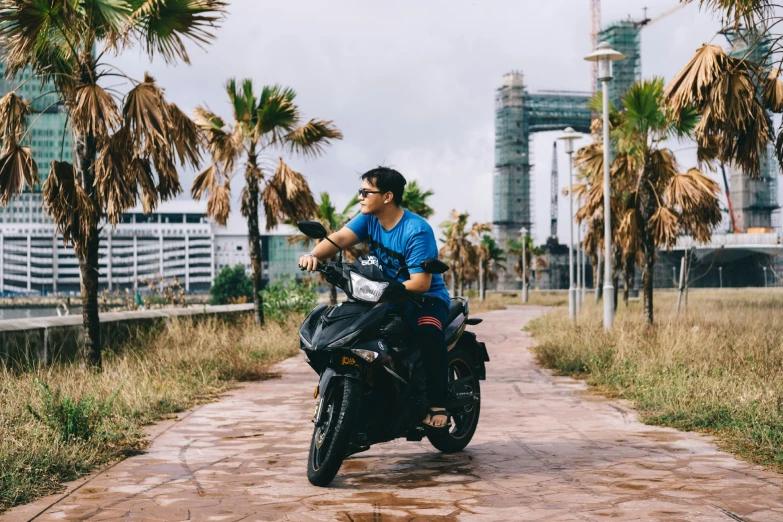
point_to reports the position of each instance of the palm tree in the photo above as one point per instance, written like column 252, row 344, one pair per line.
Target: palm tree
column 415, row 200
column 459, row 249
column 491, row 258
column 333, row 221
column 126, row 146
column 654, row 204
column 264, row 123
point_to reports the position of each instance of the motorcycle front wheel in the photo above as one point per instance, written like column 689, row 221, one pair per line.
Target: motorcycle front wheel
column 465, row 420
column 330, row 441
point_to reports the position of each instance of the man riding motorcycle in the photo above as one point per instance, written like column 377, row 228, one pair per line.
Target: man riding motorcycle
column 398, row 238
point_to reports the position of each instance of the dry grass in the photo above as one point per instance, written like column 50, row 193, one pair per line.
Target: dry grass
column 716, row 369
column 500, row 301
column 59, row 422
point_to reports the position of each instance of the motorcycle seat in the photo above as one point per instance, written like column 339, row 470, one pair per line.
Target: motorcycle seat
column 456, row 308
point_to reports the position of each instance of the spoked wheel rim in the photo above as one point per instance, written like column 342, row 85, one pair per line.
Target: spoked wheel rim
column 462, row 419
column 323, row 436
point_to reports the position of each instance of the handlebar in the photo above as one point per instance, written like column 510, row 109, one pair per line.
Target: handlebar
column 324, row 269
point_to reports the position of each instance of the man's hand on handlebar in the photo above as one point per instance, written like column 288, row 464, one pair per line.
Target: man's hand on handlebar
column 308, row 263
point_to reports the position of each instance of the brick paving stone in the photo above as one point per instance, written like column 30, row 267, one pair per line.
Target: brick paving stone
column 544, row 450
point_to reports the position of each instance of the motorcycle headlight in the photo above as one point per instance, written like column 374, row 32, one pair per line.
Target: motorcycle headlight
column 342, row 341
column 366, row 290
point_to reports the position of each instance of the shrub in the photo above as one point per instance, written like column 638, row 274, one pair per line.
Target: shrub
column 288, row 296
column 231, row 284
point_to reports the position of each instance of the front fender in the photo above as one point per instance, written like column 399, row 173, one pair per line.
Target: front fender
column 334, row 371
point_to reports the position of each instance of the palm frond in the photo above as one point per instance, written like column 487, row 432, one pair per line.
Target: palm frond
column 278, row 117
column 140, row 171
column 72, row 209
column 162, row 26
column 94, row 111
column 287, row 196
column 309, row 139
column 692, row 85
column 205, row 181
column 145, row 115
column 116, row 191
column 589, row 160
column 185, row 136
column 13, row 117
column 773, row 91
column 17, row 168
column 221, row 144
column 665, row 226
column 219, row 204
column 741, row 12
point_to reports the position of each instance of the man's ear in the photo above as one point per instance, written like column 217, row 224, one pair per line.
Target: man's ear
column 388, row 197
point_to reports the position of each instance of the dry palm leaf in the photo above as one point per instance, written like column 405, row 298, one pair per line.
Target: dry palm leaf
column 750, row 13
column 145, row 115
column 17, row 167
column 141, row 171
column 223, row 146
column 287, row 196
column 94, row 111
column 629, row 231
column 206, row 180
column 773, row 91
column 115, row 186
column 168, row 179
column 661, row 167
column 665, row 227
column 590, row 162
column 72, row 209
column 690, row 190
column 13, row 114
column 693, row 83
column 219, row 204
column 185, row 136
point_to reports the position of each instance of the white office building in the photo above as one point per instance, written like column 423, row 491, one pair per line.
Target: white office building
column 177, row 241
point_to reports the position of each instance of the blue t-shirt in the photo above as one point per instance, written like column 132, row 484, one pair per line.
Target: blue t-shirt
column 410, row 242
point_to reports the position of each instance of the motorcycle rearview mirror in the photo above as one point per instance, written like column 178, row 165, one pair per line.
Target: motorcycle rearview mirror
column 316, row 230
column 312, row 229
column 434, row 266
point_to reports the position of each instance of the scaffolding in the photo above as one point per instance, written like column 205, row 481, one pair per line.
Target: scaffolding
column 518, row 114
column 623, row 36
column 756, row 199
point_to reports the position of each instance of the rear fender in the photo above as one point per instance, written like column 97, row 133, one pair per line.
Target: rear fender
column 477, row 350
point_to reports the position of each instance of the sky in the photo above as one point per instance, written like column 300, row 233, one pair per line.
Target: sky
column 411, row 84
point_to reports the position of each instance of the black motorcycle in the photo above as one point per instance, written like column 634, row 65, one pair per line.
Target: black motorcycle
column 372, row 383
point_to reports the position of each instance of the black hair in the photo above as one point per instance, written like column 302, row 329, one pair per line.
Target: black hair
column 387, row 180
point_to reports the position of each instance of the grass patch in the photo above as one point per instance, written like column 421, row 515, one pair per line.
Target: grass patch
column 717, row 369
column 59, row 422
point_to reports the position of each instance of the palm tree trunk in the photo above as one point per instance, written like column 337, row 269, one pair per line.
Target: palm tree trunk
column 629, row 273
column 647, row 208
column 87, row 253
column 254, row 235
column 616, row 269
column 599, row 278
column 88, row 266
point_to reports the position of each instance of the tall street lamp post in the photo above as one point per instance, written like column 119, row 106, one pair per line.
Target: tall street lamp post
column 568, row 138
column 523, row 233
column 720, row 274
column 605, row 55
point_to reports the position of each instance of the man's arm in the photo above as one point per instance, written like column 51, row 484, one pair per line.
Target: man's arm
column 345, row 238
column 419, row 283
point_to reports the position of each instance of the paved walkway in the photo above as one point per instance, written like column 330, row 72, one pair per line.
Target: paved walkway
column 544, row 451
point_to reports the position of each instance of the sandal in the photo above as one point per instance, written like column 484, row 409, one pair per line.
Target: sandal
column 438, row 411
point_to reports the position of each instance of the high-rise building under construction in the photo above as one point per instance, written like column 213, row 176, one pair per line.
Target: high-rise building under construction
column 625, row 37
column 518, row 114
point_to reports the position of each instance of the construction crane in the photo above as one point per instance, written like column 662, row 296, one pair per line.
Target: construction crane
column 649, row 21
column 553, row 201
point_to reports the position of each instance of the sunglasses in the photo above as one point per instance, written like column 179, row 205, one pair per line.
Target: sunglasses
column 363, row 193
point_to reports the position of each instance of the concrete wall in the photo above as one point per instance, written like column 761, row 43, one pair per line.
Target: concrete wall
column 26, row 342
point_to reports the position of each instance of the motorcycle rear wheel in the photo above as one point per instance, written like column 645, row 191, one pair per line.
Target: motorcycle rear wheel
column 329, row 444
column 465, row 421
